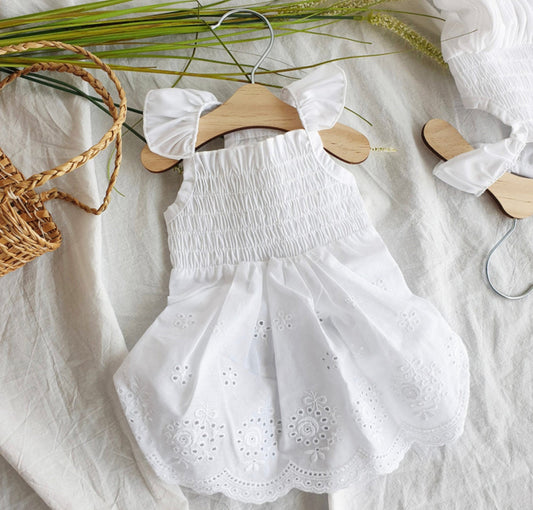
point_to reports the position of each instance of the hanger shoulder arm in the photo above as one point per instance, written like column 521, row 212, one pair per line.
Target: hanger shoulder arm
column 154, row 162
column 345, row 143
column 514, row 193
column 444, row 140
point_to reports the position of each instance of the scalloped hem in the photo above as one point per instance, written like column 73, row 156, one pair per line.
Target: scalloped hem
column 292, row 477
column 361, row 468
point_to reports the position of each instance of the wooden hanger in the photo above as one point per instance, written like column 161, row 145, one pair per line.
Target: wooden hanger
column 513, row 192
column 341, row 141
column 254, row 106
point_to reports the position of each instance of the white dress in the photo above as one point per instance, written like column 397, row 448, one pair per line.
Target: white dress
column 291, row 353
column 488, row 45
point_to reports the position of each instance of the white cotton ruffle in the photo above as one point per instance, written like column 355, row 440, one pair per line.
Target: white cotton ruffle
column 475, row 171
column 319, row 97
column 171, row 119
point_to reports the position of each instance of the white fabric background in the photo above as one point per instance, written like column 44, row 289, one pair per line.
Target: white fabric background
column 68, row 318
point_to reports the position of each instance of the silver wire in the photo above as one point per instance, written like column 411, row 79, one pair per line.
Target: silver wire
column 269, row 26
column 487, row 271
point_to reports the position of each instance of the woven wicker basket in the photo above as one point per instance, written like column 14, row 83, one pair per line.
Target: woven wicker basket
column 26, row 227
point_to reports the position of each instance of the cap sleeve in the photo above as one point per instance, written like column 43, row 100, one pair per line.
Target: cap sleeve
column 319, row 97
column 171, row 120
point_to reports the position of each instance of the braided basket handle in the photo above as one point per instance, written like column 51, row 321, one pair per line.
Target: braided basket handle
column 113, row 134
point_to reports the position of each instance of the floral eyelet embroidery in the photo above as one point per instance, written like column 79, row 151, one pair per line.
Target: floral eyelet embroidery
column 380, row 284
column 184, row 320
column 135, row 402
column 350, row 301
column 160, row 466
column 283, row 321
column 262, row 330
column 181, row 375
column 454, row 351
column 330, row 360
column 420, row 386
column 229, row 376
column 314, row 426
column 195, row 439
column 368, row 411
column 409, row 320
column 257, row 438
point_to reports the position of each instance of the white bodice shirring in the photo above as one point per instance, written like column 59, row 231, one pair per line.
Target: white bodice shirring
column 488, row 45
column 291, row 353
column 278, row 197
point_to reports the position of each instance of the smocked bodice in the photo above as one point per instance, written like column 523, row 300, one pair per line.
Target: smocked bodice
column 278, row 197
column 265, row 195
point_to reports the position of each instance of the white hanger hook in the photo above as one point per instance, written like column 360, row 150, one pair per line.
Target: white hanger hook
column 269, row 26
column 487, row 273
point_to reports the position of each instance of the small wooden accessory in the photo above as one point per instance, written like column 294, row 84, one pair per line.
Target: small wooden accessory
column 513, row 192
column 26, row 227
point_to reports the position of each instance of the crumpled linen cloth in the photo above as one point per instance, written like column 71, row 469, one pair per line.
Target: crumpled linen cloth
column 68, row 318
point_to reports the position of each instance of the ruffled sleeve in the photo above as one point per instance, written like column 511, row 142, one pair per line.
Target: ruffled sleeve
column 171, row 120
column 474, row 26
column 319, row 97
column 475, row 171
